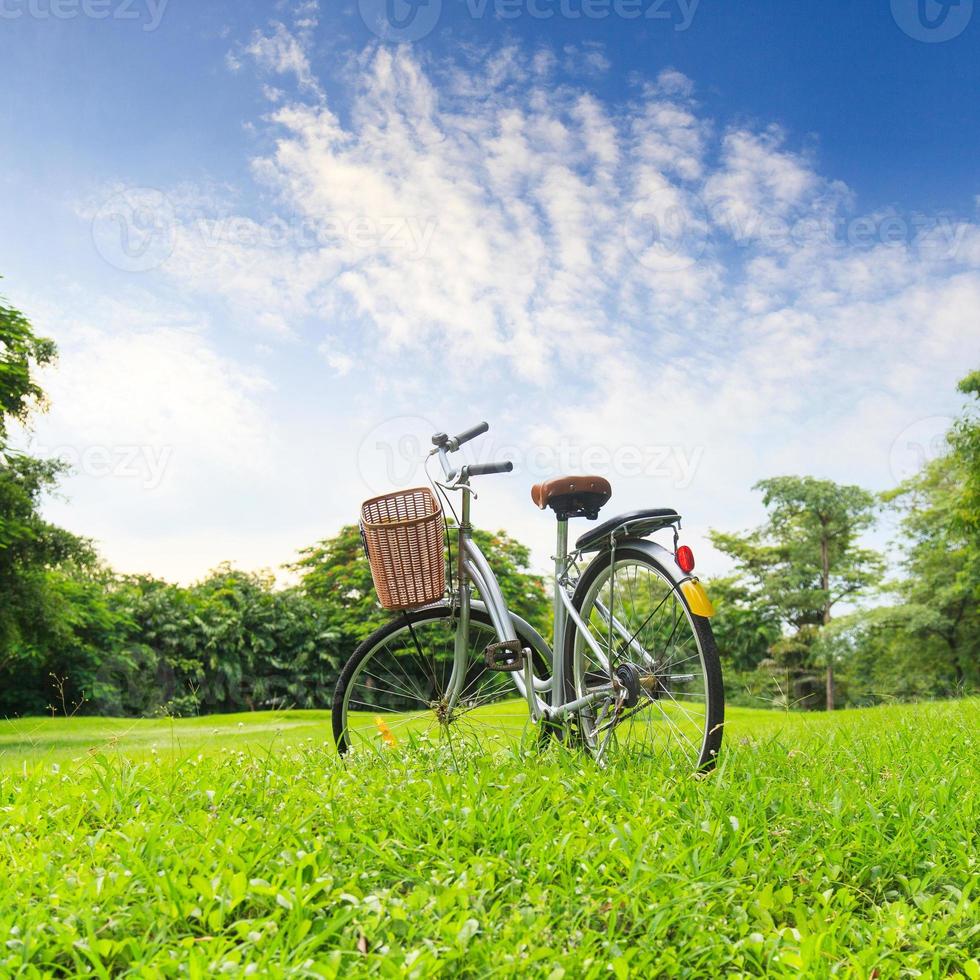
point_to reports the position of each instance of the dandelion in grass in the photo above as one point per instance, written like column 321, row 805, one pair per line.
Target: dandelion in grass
column 386, row 734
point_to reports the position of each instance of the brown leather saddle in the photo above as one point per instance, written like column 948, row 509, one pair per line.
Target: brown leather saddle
column 572, row 496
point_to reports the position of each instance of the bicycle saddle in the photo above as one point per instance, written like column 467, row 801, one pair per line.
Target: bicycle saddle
column 572, row 496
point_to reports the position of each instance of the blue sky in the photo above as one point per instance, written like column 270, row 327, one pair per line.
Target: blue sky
column 278, row 243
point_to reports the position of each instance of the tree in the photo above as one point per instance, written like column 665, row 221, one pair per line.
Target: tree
column 964, row 441
column 806, row 559
column 78, row 659
column 30, row 547
column 745, row 631
column 936, row 625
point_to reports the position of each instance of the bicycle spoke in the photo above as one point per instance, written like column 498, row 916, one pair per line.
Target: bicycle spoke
column 393, row 690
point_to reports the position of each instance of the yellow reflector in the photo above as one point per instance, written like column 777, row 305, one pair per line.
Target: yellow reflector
column 697, row 598
column 385, row 731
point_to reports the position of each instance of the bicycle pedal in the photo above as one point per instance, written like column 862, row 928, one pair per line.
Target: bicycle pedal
column 508, row 655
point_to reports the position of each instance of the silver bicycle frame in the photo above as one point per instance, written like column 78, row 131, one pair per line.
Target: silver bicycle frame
column 472, row 566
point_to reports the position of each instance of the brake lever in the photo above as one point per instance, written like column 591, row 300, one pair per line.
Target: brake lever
column 456, row 485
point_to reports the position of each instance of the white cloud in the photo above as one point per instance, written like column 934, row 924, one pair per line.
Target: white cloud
column 283, row 50
column 586, row 59
column 176, row 389
column 339, row 362
column 759, row 183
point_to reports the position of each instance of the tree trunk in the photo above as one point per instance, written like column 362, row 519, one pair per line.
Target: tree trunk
column 825, row 584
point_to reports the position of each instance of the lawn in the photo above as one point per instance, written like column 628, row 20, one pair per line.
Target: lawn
column 238, row 845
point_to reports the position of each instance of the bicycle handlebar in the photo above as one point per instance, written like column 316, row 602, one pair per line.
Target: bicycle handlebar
column 485, row 469
column 451, row 443
column 476, row 430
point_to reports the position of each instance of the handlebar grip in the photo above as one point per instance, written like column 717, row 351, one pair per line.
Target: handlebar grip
column 477, row 430
column 485, row 469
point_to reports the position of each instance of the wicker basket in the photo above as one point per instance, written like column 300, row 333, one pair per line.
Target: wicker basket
column 404, row 535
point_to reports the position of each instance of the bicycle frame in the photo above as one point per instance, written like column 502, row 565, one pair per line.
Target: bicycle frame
column 472, row 567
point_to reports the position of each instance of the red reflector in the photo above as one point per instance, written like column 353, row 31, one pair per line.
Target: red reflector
column 684, row 558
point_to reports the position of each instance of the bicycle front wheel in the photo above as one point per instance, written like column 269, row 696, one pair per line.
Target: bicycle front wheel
column 395, row 687
column 653, row 670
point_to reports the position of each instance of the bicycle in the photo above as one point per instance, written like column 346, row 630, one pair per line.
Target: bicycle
column 632, row 663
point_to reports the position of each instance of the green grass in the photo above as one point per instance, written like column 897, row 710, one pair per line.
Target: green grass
column 29, row 743
column 843, row 844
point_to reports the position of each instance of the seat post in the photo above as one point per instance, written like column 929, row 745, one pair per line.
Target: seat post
column 561, row 546
column 561, row 556
column 558, row 635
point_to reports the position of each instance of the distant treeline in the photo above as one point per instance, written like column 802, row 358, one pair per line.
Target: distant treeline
column 86, row 641
column 77, row 638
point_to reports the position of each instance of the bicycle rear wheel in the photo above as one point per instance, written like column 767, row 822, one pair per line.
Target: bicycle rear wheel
column 658, row 675
column 394, row 688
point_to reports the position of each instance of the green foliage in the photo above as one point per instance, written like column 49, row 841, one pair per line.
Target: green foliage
column 29, row 547
column 75, row 648
column 745, row 631
column 230, row 642
column 260, row 646
column 841, row 845
column 964, row 441
column 32, row 606
column 140, row 646
column 935, row 628
column 20, row 352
